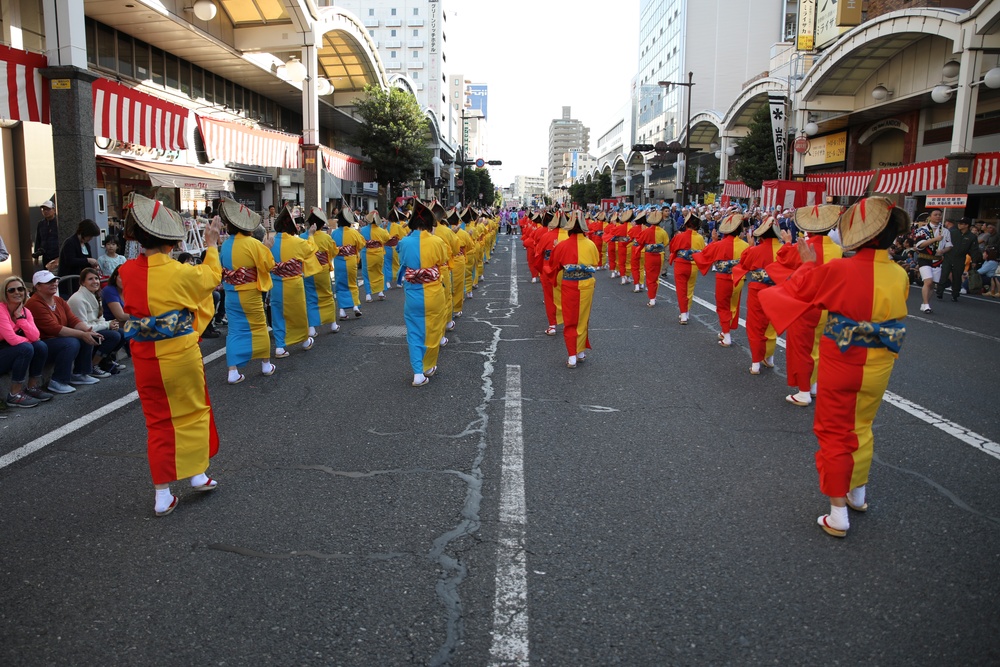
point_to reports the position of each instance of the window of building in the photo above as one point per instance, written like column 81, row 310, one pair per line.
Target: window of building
column 416, row 76
column 416, row 54
column 141, row 60
column 371, row 33
column 172, row 79
column 126, row 59
column 197, row 82
column 416, row 11
column 371, row 12
column 392, row 55
column 392, row 11
column 105, row 47
column 416, row 33
column 185, row 77
column 392, row 33
column 156, row 66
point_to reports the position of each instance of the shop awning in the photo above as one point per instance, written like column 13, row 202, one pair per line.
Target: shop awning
column 25, row 97
column 738, row 189
column 845, row 184
column 171, row 175
column 129, row 115
column 347, row 167
column 233, row 142
column 986, row 170
column 911, row 178
column 791, row 194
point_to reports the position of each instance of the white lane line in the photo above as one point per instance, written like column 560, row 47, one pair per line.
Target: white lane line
column 972, row 438
column 953, row 328
column 513, row 278
column 77, row 424
column 510, row 611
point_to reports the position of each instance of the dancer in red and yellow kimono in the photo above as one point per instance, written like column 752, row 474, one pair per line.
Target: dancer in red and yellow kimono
column 636, row 251
column 595, row 232
column 866, row 297
column 529, row 228
column 168, row 303
column 654, row 240
column 611, row 241
column 550, row 278
column 683, row 247
column 802, row 339
column 246, row 275
column 319, row 289
column 753, row 262
column 576, row 260
column 724, row 254
column 624, row 244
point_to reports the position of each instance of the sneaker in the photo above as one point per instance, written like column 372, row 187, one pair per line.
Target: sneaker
column 21, row 401
column 100, row 374
column 79, row 379
column 57, row 387
column 925, row 308
column 37, row 393
column 210, row 333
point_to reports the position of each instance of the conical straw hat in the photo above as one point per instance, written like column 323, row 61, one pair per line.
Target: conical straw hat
column 239, row 216
column 153, row 217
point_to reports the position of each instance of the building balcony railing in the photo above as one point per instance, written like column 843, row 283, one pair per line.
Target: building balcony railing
column 393, row 22
column 414, row 64
column 393, row 64
column 415, row 23
column 371, row 22
column 393, row 43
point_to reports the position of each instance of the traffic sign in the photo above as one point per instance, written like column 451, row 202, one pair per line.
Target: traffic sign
column 801, row 145
column 480, row 163
column 459, row 182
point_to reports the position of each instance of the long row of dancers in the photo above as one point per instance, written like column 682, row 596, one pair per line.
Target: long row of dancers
column 843, row 314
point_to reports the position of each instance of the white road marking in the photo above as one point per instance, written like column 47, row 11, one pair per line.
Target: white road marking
column 972, row 438
column 510, row 611
column 513, row 278
column 77, row 424
column 953, row 328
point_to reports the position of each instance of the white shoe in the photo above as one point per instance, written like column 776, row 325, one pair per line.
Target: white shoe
column 79, row 379
column 925, row 308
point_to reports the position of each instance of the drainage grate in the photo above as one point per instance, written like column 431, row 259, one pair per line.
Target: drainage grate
column 387, row 331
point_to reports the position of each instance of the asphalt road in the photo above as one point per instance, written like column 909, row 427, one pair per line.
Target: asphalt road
column 669, row 504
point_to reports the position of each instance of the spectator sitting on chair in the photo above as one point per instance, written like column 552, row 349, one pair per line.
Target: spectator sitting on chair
column 86, row 304
column 71, row 343
column 23, row 354
column 75, row 254
column 111, row 259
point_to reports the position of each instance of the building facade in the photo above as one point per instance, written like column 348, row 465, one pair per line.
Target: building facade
column 566, row 135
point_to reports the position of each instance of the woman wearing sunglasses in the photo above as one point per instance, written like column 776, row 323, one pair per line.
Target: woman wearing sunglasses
column 22, row 353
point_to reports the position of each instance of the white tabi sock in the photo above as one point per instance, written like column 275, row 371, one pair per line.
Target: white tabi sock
column 838, row 518
column 312, row 331
column 856, row 496
column 572, row 360
column 727, row 339
column 813, row 389
column 802, row 397
column 684, row 317
column 234, row 375
column 163, row 499
column 770, row 360
column 266, row 367
column 755, row 367
column 199, row 480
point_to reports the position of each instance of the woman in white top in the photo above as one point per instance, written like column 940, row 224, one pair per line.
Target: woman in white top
column 86, row 305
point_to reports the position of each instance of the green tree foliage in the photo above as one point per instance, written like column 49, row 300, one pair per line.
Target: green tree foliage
column 394, row 134
column 478, row 182
column 591, row 192
column 755, row 162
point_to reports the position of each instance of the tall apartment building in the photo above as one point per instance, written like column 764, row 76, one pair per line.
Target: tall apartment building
column 566, row 135
column 411, row 36
column 722, row 43
column 526, row 189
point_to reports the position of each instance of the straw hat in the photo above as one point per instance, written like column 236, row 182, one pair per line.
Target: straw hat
column 153, row 217
column 576, row 222
column 816, row 219
column 284, row 215
column 691, row 220
column 422, row 213
column 345, row 217
column 558, row 220
column 866, row 220
column 640, row 217
column 453, row 217
column 438, row 210
column 764, row 226
column 373, row 218
column 614, row 217
column 467, row 215
column 600, row 217
column 547, row 217
column 654, row 217
column 731, row 223
column 239, row 216
column 625, row 215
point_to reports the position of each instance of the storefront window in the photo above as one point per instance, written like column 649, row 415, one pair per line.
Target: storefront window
column 141, row 60
column 157, row 66
column 197, row 82
column 105, row 47
column 126, row 60
column 91, row 29
column 185, row 76
column 172, row 80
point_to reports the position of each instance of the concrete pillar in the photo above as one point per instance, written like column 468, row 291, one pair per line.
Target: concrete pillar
column 727, row 142
column 961, row 157
column 799, row 159
column 311, row 155
column 628, row 181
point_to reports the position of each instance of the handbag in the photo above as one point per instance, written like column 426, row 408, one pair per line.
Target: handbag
column 975, row 282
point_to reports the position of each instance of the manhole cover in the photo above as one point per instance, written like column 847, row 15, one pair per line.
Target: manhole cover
column 387, row 331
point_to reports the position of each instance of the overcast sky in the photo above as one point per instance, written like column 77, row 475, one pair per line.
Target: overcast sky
column 537, row 57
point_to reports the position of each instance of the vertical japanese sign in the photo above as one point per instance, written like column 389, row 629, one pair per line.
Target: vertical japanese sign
column 807, row 25
column 436, row 53
column 776, row 101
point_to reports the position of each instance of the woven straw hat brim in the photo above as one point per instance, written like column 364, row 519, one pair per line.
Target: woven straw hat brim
column 819, row 218
column 625, row 216
column 284, row 215
column 866, row 220
column 317, row 215
column 239, row 216
column 654, row 217
column 764, row 226
column 153, row 217
column 731, row 223
column 346, row 217
column 422, row 213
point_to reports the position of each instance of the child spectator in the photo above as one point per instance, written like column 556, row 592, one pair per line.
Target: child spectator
column 111, row 260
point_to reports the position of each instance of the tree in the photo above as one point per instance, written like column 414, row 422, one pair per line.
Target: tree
column 393, row 135
column 756, row 162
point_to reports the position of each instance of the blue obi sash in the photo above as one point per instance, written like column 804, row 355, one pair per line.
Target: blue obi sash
column 759, row 276
column 846, row 332
column 578, row 272
column 686, row 253
column 655, row 247
column 725, row 265
column 160, row 327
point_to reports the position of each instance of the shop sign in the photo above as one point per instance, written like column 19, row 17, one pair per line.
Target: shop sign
column 61, row 84
column 834, row 18
column 946, row 201
column 807, row 25
column 882, row 126
column 827, row 149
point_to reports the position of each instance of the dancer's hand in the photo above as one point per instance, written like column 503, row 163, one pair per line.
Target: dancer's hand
column 806, row 251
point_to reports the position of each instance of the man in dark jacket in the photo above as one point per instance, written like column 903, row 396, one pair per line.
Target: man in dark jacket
column 963, row 242
column 47, row 235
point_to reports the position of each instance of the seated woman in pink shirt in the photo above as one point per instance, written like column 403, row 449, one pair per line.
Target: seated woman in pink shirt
column 22, row 353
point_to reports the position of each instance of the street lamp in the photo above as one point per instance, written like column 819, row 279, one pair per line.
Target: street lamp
column 687, row 138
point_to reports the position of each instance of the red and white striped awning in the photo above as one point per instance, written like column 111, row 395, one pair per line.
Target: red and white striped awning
column 25, row 97
column 346, row 167
column 791, row 194
column 233, row 142
column 845, row 184
column 911, row 178
column 986, row 169
column 739, row 189
column 130, row 115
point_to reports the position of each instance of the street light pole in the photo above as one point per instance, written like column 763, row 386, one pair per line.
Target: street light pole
column 687, row 138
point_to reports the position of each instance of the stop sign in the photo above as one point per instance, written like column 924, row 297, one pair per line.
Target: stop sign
column 801, row 145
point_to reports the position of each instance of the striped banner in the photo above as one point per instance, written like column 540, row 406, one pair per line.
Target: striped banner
column 739, row 189
column 844, row 184
column 233, row 142
column 986, row 169
column 129, row 115
column 346, row 167
column 25, row 97
column 911, row 178
column 791, row 194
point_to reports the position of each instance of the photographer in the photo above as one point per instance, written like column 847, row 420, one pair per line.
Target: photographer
column 926, row 239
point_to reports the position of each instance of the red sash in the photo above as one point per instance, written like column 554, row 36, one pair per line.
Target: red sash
column 289, row 269
column 422, row 276
column 348, row 251
column 241, row 276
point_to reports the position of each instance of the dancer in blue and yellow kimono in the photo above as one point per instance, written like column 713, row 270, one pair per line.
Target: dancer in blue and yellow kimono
column 373, row 256
column 421, row 259
column 459, row 260
column 168, row 303
column 319, row 291
column 443, row 232
column 390, row 267
column 345, row 265
column 246, row 276
column 294, row 258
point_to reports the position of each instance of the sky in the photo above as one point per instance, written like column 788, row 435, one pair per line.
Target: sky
column 537, row 57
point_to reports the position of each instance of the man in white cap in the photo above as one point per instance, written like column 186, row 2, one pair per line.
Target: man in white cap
column 47, row 235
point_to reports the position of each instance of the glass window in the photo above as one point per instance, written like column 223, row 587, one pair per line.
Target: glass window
column 416, row 76
column 392, row 33
column 238, row 96
column 157, row 66
column 91, row 42
column 230, row 94
column 172, row 71
column 392, row 55
column 209, row 88
column 416, row 11
column 416, row 33
column 416, row 54
column 185, row 78
column 197, row 82
column 392, row 11
column 220, row 90
column 371, row 12
column 141, row 60
column 105, row 47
